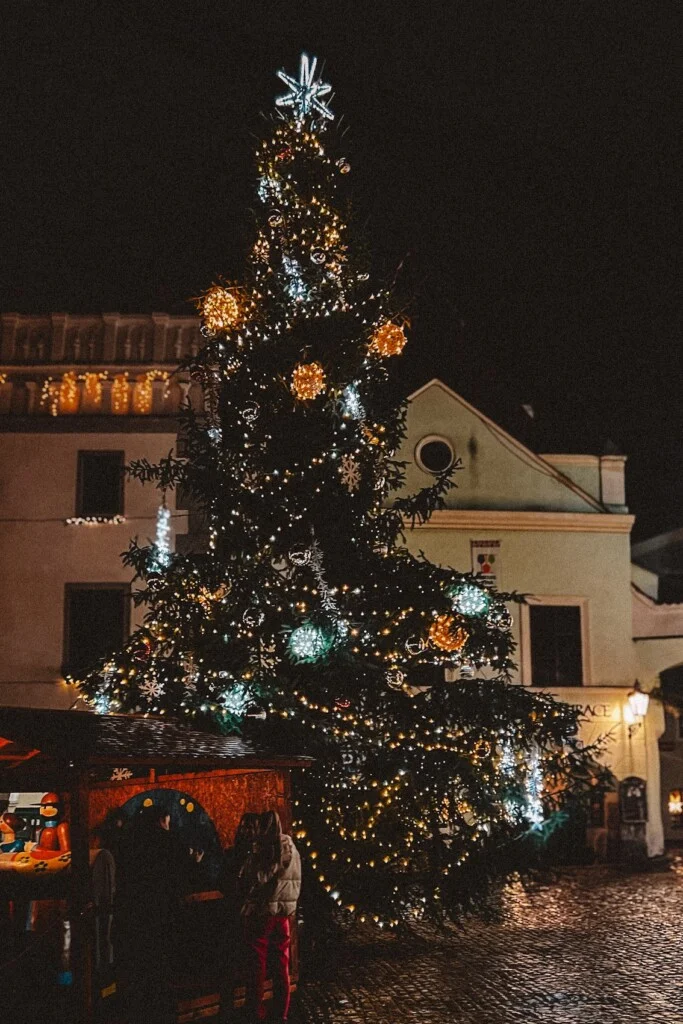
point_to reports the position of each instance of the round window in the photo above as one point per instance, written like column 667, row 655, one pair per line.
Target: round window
column 435, row 454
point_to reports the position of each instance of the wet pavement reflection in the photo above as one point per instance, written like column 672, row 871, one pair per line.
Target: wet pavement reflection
column 596, row 946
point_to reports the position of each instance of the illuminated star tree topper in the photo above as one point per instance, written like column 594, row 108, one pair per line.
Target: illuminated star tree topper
column 304, row 96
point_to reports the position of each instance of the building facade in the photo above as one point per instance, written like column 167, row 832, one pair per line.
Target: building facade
column 80, row 397
column 556, row 529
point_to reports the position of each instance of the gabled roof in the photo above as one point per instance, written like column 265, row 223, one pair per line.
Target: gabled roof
column 512, row 442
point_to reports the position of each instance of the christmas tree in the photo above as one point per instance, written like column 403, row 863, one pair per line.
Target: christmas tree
column 301, row 602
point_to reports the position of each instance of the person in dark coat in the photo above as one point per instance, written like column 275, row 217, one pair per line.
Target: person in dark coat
column 228, row 883
column 154, row 872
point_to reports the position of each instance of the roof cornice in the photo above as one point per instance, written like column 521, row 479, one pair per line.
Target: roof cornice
column 531, row 522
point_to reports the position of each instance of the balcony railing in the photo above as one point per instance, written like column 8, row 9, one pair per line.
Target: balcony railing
column 112, row 365
column 107, row 339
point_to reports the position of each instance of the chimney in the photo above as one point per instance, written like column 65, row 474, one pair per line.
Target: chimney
column 612, row 483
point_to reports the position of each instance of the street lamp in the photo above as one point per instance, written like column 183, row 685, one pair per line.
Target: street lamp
column 638, row 703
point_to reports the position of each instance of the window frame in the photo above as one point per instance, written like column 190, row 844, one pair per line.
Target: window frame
column 80, row 480
column 70, row 588
column 429, row 439
column 557, row 600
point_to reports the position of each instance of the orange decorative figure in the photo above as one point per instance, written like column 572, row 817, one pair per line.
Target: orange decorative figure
column 54, row 835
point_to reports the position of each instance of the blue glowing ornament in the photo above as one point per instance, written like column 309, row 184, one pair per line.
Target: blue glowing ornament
column 308, row 643
column 236, row 700
column 351, row 403
column 304, row 96
column 469, row 600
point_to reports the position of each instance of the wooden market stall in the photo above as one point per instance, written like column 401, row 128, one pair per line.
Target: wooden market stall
column 102, row 769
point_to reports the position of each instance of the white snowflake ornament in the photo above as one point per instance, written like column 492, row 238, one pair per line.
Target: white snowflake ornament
column 349, row 471
column 151, row 689
column 121, row 774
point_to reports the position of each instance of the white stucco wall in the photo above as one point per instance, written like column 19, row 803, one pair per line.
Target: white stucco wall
column 592, row 566
column 490, row 458
column 38, row 482
column 554, row 543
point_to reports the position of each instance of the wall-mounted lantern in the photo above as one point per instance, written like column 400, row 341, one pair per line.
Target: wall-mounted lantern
column 636, row 708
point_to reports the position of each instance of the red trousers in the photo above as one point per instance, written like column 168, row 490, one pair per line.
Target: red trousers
column 262, row 934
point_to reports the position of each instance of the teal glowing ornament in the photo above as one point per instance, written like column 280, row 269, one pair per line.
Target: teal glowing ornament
column 469, row 600
column 236, row 700
column 308, row 643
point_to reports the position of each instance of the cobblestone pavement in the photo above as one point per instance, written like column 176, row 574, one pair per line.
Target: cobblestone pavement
column 594, row 947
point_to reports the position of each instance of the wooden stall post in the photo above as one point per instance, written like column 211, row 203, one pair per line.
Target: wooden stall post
column 79, row 902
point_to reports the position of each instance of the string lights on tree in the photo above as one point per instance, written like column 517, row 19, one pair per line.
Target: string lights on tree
column 305, row 599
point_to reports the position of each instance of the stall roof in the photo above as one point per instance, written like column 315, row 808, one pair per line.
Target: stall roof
column 36, row 739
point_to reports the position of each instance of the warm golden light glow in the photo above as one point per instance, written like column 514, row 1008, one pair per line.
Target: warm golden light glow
column 120, row 394
column 308, row 380
column 142, row 396
column 92, row 391
column 220, row 309
column 443, row 636
column 676, row 801
column 388, row 340
column 69, row 394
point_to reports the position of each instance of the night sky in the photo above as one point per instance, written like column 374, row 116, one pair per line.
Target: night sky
column 516, row 158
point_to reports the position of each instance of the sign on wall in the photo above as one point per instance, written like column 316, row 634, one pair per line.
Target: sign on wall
column 486, row 559
column 633, row 799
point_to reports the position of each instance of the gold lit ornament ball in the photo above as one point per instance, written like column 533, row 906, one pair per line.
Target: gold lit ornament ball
column 220, row 309
column 308, row 380
column 443, row 636
column 388, row 340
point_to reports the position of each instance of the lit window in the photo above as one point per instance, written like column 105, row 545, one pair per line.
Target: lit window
column 100, row 483
column 556, row 647
column 434, row 454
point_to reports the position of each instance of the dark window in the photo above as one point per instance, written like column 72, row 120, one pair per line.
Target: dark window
column 555, row 645
column 95, row 623
column 435, row 456
column 100, row 484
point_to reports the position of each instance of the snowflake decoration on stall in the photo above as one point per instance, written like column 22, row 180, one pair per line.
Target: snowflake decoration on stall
column 151, row 689
column 349, row 471
column 121, row 774
column 304, row 96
